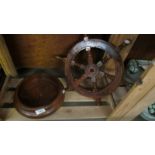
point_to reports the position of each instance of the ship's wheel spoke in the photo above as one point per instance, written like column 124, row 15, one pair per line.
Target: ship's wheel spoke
column 81, row 66
column 94, row 83
column 90, row 56
column 81, row 79
column 101, row 74
column 101, row 63
column 106, row 59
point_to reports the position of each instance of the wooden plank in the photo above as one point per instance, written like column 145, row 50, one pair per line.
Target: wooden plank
column 147, row 100
column 70, row 96
column 7, row 97
column 5, row 59
column 117, row 39
column 119, row 93
column 14, row 82
column 66, row 113
column 73, row 96
column 3, row 90
column 135, row 94
column 3, row 114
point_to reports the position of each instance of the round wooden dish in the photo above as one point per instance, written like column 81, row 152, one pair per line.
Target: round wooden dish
column 39, row 95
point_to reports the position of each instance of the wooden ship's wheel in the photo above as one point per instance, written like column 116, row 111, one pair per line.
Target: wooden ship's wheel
column 93, row 78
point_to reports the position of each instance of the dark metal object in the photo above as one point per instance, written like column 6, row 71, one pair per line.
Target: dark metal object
column 38, row 96
column 133, row 73
column 101, row 81
column 149, row 113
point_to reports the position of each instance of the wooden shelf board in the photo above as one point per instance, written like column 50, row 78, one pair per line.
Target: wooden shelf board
column 65, row 113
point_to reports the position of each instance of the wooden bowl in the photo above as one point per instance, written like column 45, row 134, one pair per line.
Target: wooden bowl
column 39, row 95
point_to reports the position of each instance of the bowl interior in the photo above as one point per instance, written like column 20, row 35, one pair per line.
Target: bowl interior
column 39, row 90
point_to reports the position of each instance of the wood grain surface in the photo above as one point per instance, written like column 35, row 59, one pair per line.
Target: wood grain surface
column 40, row 50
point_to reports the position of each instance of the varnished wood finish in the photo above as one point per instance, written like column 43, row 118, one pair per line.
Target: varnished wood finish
column 38, row 91
column 39, row 51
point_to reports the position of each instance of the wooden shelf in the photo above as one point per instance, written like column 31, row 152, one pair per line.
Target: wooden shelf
column 65, row 113
column 75, row 107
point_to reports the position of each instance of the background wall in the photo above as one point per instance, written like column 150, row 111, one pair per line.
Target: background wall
column 144, row 47
column 39, row 51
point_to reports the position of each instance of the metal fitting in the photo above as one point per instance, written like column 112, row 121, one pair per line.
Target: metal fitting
column 88, row 48
column 127, row 41
column 85, row 38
